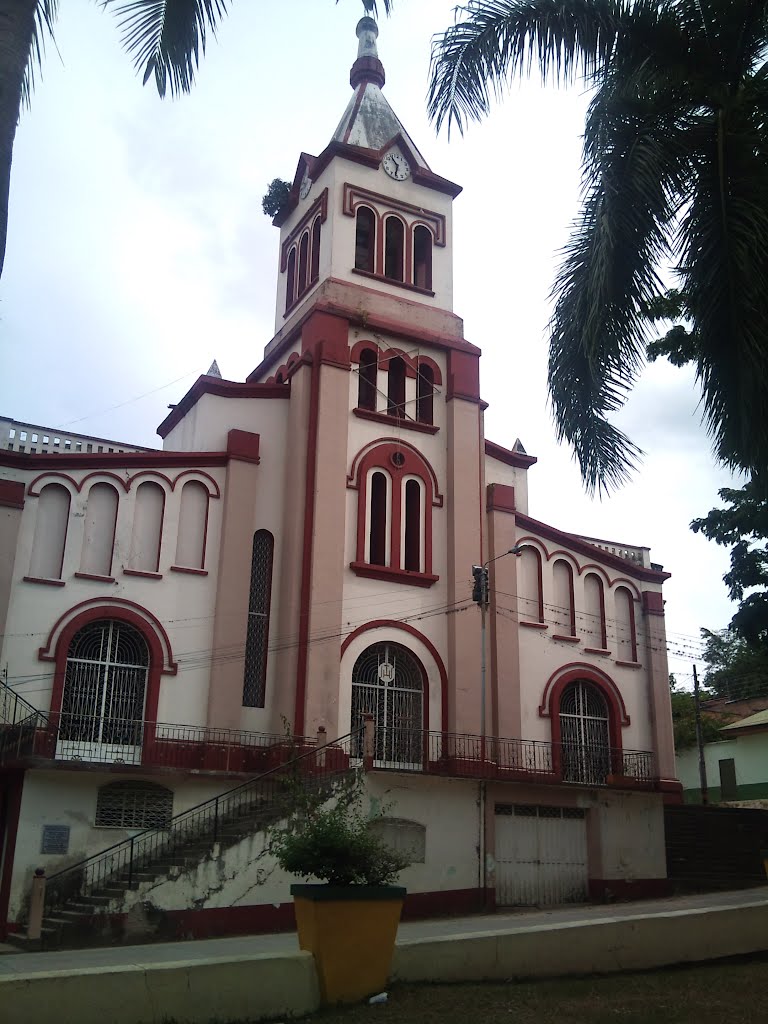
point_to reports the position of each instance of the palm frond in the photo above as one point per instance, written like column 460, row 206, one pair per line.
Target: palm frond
column 371, row 7
column 473, row 60
column 165, row 38
column 636, row 164
column 45, row 16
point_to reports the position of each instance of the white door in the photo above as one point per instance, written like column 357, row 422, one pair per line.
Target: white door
column 541, row 855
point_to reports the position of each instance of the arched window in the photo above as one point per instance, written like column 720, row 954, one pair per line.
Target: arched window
column 105, row 682
column 413, row 519
column 594, row 601
column 303, row 262
column 315, row 270
column 193, row 522
column 367, row 380
column 290, row 279
column 134, row 805
column 50, row 537
column 388, row 683
column 147, row 528
column 365, row 239
column 396, row 387
column 584, row 734
column 425, row 390
column 626, row 637
column 99, row 532
column 378, row 513
column 257, row 632
column 564, row 613
column 530, row 597
column 422, row 257
column 394, row 249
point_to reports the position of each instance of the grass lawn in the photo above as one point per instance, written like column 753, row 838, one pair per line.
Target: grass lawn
column 731, row 992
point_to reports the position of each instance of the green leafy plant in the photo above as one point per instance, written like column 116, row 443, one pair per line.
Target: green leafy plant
column 335, row 843
column 275, row 197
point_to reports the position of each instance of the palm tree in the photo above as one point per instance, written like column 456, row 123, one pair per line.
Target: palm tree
column 165, row 38
column 675, row 175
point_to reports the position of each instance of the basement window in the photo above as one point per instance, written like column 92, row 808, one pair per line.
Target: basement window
column 134, row 805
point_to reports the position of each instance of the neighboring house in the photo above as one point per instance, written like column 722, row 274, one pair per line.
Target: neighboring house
column 301, row 551
column 736, row 766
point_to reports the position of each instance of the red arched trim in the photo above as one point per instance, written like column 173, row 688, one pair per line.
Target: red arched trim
column 145, row 624
column 387, row 446
column 557, row 682
column 603, row 623
column 534, row 547
column 581, row 569
column 360, row 346
column 571, row 596
column 426, row 361
column 632, row 627
column 77, row 484
column 154, row 477
column 406, row 628
column 384, row 355
column 202, row 478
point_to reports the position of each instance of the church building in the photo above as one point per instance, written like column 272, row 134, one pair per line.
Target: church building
column 329, row 554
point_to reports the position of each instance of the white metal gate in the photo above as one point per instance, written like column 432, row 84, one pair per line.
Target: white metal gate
column 541, row 855
column 387, row 683
column 102, row 708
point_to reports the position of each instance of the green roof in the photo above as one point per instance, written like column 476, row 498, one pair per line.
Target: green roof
column 761, row 718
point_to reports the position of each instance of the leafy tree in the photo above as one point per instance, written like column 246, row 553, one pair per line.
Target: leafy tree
column 165, row 39
column 684, row 718
column 675, row 171
column 735, row 668
column 275, row 196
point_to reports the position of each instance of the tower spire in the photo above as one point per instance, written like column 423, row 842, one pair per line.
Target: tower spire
column 367, row 67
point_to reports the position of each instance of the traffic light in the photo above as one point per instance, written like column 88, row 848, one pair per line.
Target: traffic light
column 480, row 586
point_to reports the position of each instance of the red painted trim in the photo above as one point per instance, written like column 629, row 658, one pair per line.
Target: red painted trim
column 447, row 902
column 608, row 890
column 500, row 498
column 319, row 206
column 94, row 576
column 509, row 457
column 539, row 581
column 550, row 700
column 632, row 631
column 306, row 562
column 533, row 625
column 14, row 788
column 222, row 389
column 243, row 445
column 653, row 603
column 33, row 491
column 583, row 547
column 40, row 579
column 354, row 477
column 188, row 569
column 406, row 628
column 202, row 478
column 437, row 376
column 354, row 196
column 11, row 494
column 141, row 572
column 603, row 651
column 109, row 608
column 566, row 639
column 396, row 422
column 393, row 575
column 24, row 460
column 628, row 664
column 571, row 596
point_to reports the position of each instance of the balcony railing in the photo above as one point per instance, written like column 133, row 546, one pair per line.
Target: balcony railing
column 461, row 755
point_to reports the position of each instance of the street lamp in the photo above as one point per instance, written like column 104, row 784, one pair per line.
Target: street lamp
column 480, row 596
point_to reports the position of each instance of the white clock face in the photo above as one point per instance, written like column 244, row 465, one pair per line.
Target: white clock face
column 396, row 165
column 306, row 185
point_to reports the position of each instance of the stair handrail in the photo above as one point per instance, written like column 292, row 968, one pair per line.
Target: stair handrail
column 79, row 872
column 7, row 696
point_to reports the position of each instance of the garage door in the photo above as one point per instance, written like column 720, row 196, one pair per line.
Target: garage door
column 541, row 855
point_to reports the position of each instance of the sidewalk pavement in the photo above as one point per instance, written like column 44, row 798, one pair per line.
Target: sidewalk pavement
column 239, row 946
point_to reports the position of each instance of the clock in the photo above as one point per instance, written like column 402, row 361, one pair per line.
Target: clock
column 305, row 186
column 396, row 166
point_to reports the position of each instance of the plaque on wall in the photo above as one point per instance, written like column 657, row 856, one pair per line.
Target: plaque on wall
column 55, row 839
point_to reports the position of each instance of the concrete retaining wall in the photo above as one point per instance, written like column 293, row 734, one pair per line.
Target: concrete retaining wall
column 188, row 992
column 601, row 945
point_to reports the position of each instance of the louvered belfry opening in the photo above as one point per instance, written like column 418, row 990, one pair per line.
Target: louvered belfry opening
column 102, row 708
column 585, row 734
column 387, row 683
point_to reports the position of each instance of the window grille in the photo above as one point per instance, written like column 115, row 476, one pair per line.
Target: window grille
column 584, row 734
column 257, row 636
column 134, row 805
column 387, row 683
column 102, row 706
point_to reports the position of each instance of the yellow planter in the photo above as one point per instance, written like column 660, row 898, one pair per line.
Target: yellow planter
column 351, row 932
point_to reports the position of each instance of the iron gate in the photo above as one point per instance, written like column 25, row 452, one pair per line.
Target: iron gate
column 541, row 855
column 387, row 683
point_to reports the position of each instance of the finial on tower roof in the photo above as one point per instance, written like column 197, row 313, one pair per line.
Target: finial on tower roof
column 214, row 370
column 367, row 67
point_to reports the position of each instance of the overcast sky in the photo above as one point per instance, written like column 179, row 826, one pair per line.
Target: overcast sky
column 138, row 252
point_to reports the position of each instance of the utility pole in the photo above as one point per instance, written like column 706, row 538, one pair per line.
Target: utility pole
column 700, row 739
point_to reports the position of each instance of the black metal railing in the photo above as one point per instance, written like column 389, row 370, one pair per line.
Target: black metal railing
column 20, row 723
column 266, row 798
column 13, row 707
column 490, row 757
